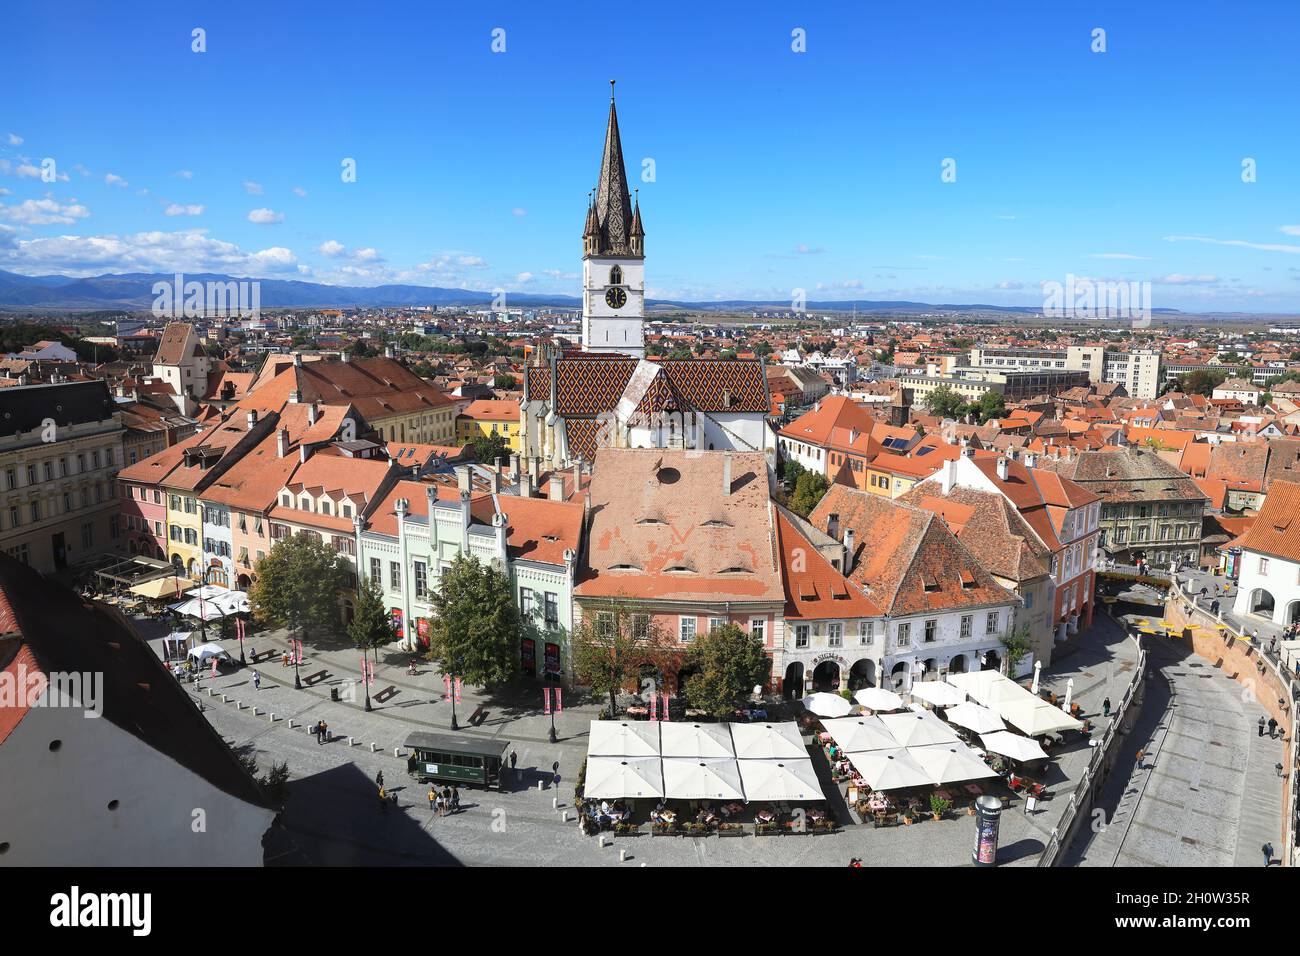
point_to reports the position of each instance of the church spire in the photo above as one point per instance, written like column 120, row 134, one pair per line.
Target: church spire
column 613, row 204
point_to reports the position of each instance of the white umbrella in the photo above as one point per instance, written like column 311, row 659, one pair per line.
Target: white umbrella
column 828, row 705
column 890, row 769
column 918, row 729
column 612, row 778
column 938, row 693
column 780, row 780
column 204, row 651
column 877, row 698
column 1036, row 717
column 623, row 738
column 702, row 778
column 860, row 733
column 768, row 741
column 1013, row 746
column 951, row 763
column 974, row 717
column 678, row 739
column 203, row 610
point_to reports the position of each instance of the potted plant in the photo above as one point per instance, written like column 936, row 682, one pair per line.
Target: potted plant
column 731, row 829
column 939, row 806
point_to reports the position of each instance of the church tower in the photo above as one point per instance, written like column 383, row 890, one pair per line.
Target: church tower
column 613, row 257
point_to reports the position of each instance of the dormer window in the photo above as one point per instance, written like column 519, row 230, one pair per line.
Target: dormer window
column 716, row 523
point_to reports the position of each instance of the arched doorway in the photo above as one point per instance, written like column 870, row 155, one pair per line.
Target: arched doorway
column 898, row 675
column 192, row 568
column 793, row 684
column 826, row 676
column 990, row 661
column 931, row 669
column 957, row 665
column 348, row 612
column 862, row 674
column 1261, row 603
column 684, row 675
column 178, row 563
column 243, row 582
column 1293, row 612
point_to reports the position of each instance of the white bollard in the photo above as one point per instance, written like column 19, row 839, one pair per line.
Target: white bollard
column 602, row 840
column 622, row 855
column 539, row 785
column 291, row 723
column 256, row 712
column 564, row 816
column 555, row 803
column 373, row 748
column 397, row 752
column 272, row 717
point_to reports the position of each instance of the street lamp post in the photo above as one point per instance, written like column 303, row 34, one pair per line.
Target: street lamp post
column 297, row 679
column 365, row 679
column 454, row 724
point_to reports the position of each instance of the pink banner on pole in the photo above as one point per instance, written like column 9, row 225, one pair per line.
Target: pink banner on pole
column 458, row 690
column 654, row 706
column 446, row 683
column 665, row 716
column 559, row 700
column 546, row 700
column 214, row 667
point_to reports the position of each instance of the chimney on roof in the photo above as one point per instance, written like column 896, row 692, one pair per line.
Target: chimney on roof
column 282, row 443
column 726, row 474
column 501, row 524
column 833, row 525
column 847, row 563
column 556, row 487
column 948, row 475
column 345, row 356
column 1002, row 468
column 297, row 359
column 494, row 479
column 1031, row 459
column 526, row 485
column 577, row 475
column 304, row 452
column 390, row 352
column 312, row 414
column 293, row 397
column 252, row 418
column 463, row 482
column 514, row 466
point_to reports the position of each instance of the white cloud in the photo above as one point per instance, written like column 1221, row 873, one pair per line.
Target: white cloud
column 176, row 209
column 3, row 191
column 43, row 212
column 113, row 179
column 366, row 255
column 1240, row 243
column 81, row 169
column 1180, row 279
column 157, row 251
column 1290, row 230
column 265, row 217
column 252, row 188
column 28, row 171
column 15, row 139
column 299, row 191
column 524, row 277
column 184, row 174
column 1115, row 255
column 332, row 249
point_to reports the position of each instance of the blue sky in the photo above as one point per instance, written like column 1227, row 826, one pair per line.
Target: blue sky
column 774, row 170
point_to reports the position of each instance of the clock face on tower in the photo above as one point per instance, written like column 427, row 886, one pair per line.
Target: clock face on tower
column 615, row 297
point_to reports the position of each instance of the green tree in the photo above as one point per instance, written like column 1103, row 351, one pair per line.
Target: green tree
column 991, row 405
column 808, row 490
column 1015, row 645
column 945, row 403
column 488, row 448
column 1201, row 381
column 610, row 646
column 298, row 586
column 728, row 663
column 372, row 625
column 505, row 381
column 475, row 627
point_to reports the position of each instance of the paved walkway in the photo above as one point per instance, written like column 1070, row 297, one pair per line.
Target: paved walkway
column 333, row 815
column 1206, row 793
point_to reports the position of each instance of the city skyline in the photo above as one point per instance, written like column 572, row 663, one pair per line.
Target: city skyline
column 773, row 170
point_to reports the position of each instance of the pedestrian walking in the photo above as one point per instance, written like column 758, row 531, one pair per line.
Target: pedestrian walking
column 1214, row 606
column 432, row 796
column 383, row 799
column 455, row 799
column 1105, row 707
column 1261, row 726
column 1268, row 854
column 257, row 681
column 1272, row 728
column 1140, row 755
column 379, row 778
column 514, row 756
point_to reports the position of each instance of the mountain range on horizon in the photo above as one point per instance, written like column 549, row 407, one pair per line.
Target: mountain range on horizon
column 134, row 291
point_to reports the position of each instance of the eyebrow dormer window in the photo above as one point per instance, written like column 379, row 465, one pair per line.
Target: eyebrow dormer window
column 615, row 276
